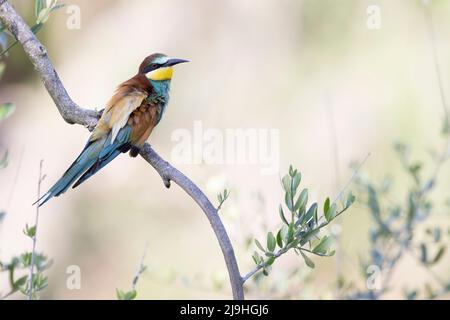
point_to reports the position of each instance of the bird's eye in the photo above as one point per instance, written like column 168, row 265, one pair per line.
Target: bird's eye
column 150, row 67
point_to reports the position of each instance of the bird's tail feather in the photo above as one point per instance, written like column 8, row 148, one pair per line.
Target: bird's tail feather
column 96, row 167
column 84, row 161
column 107, row 154
column 94, row 156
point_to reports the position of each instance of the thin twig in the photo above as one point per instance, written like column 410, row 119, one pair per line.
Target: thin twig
column 349, row 182
column 315, row 253
column 8, row 294
column 432, row 37
column 141, row 268
column 72, row 113
column 33, row 253
column 251, row 273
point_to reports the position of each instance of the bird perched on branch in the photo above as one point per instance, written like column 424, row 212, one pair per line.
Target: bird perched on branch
column 126, row 123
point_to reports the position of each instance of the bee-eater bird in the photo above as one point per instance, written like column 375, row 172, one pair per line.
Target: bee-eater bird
column 126, row 123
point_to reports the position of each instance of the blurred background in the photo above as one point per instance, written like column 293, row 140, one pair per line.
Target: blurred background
column 336, row 89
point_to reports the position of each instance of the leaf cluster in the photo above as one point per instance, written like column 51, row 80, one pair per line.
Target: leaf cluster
column 301, row 223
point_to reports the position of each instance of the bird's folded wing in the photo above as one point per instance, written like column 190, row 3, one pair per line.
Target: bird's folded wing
column 117, row 112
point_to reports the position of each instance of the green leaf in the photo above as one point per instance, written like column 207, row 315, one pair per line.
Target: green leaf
column 258, row 244
column 308, row 261
column 308, row 236
column 323, row 245
column 415, row 168
column 270, row 261
column 2, row 69
column 284, row 232
column 431, row 294
column 37, row 27
column 350, row 200
column 302, row 200
column 130, row 295
column 312, row 211
column 326, row 206
column 6, row 110
column 331, row 213
column 19, row 283
column 290, row 234
column 282, row 216
column 437, row 234
column 439, row 255
column 296, row 181
column 38, row 6
column 57, row 7
column 423, row 253
column 286, row 182
column 446, row 125
column 279, row 239
column 271, row 242
column 43, row 15
column 288, row 201
column 373, row 202
column 4, row 160
column 29, row 231
column 291, row 171
column 40, row 282
column 293, row 243
column 26, row 259
column 256, row 258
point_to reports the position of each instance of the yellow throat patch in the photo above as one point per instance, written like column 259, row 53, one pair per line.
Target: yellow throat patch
column 160, row 74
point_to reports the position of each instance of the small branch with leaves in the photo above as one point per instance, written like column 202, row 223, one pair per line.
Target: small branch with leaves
column 132, row 294
column 37, row 281
column 395, row 230
column 300, row 230
column 42, row 11
column 222, row 197
column 33, row 262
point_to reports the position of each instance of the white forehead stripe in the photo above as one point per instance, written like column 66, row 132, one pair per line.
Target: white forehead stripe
column 161, row 60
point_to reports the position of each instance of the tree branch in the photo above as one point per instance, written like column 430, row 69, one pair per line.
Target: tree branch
column 38, row 56
column 74, row 114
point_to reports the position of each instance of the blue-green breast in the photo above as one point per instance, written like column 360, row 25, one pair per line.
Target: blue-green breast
column 160, row 96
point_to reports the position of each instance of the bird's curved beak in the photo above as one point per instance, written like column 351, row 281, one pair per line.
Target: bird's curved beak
column 174, row 61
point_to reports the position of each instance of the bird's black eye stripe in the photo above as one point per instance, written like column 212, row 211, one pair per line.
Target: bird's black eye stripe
column 151, row 67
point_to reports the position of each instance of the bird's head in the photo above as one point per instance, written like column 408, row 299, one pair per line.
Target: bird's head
column 158, row 67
